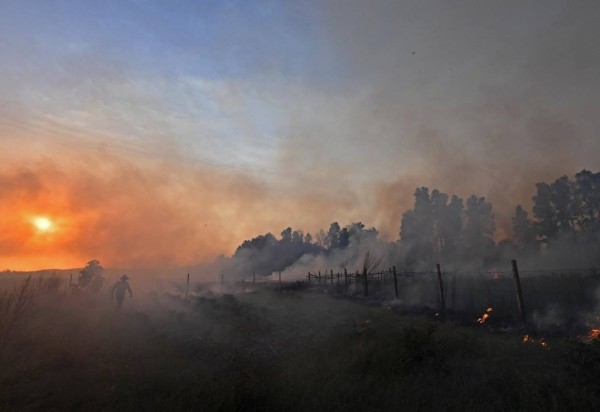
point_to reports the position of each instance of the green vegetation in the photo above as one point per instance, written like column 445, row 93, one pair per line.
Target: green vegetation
column 276, row 351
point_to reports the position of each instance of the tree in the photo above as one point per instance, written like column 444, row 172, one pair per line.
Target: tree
column 451, row 225
column 524, row 230
column 91, row 277
column 416, row 229
column 479, row 228
column 564, row 204
column 544, row 212
column 439, row 203
column 332, row 237
column 434, row 226
column 587, row 195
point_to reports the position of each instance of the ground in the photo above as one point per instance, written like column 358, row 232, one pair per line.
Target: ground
column 272, row 350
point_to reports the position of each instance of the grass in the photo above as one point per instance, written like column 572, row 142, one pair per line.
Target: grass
column 270, row 351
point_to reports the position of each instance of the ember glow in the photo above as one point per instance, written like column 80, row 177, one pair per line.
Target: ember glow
column 541, row 341
column 593, row 334
column 485, row 316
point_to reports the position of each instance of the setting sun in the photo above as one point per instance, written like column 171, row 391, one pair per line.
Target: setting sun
column 43, row 224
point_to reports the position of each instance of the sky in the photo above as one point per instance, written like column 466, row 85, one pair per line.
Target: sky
column 160, row 133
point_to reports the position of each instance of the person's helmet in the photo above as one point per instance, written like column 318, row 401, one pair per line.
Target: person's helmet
column 124, row 277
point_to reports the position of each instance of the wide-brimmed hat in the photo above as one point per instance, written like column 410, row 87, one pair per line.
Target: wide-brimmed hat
column 124, row 277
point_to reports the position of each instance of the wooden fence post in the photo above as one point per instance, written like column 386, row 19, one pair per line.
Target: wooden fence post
column 515, row 270
column 279, row 280
column 441, row 287
column 308, row 279
column 331, row 272
column 187, row 285
column 395, row 282
column 366, row 276
column 346, row 279
column 319, row 278
column 222, row 281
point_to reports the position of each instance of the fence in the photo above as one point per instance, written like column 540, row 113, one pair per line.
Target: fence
column 512, row 295
column 553, row 295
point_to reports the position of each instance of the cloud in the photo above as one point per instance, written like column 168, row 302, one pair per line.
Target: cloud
column 126, row 211
column 463, row 97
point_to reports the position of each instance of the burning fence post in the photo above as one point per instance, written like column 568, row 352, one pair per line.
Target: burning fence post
column 441, row 287
column 515, row 270
column 395, row 282
column 187, row 285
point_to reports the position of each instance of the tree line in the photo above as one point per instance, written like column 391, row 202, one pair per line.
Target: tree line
column 441, row 227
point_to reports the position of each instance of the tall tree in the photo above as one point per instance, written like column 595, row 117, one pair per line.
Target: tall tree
column 416, row 229
column 587, row 194
column 479, row 228
column 565, row 206
column 332, row 238
column 451, row 225
column 524, row 230
column 544, row 212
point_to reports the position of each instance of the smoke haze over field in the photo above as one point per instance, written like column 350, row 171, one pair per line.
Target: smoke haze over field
column 157, row 134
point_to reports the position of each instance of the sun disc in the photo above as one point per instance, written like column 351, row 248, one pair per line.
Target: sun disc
column 43, row 224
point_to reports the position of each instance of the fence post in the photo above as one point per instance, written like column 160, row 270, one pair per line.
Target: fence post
column 441, row 287
column 319, row 278
column 346, row 279
column 222, row 281
column 515, row 270
column 395, row 282
column 187, row 285
column 308, row 279
column 365, row 274
column 279, row 280
column 331, row 272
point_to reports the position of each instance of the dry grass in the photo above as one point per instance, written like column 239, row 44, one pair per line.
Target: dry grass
column 276, row 351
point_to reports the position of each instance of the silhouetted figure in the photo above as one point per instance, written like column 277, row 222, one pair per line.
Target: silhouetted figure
column 119, row 289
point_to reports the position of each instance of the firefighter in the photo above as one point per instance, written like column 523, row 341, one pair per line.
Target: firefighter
column 119, row 289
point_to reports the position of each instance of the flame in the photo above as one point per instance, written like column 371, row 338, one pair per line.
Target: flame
column 485, row 316
column 541, row 341
column 594, row 334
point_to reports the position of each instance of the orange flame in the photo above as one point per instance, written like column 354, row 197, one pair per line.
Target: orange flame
column 485, row 316
column 594, row 334
column 541, row 341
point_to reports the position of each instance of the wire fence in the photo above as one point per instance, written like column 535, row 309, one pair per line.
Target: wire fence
column 512, row 296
